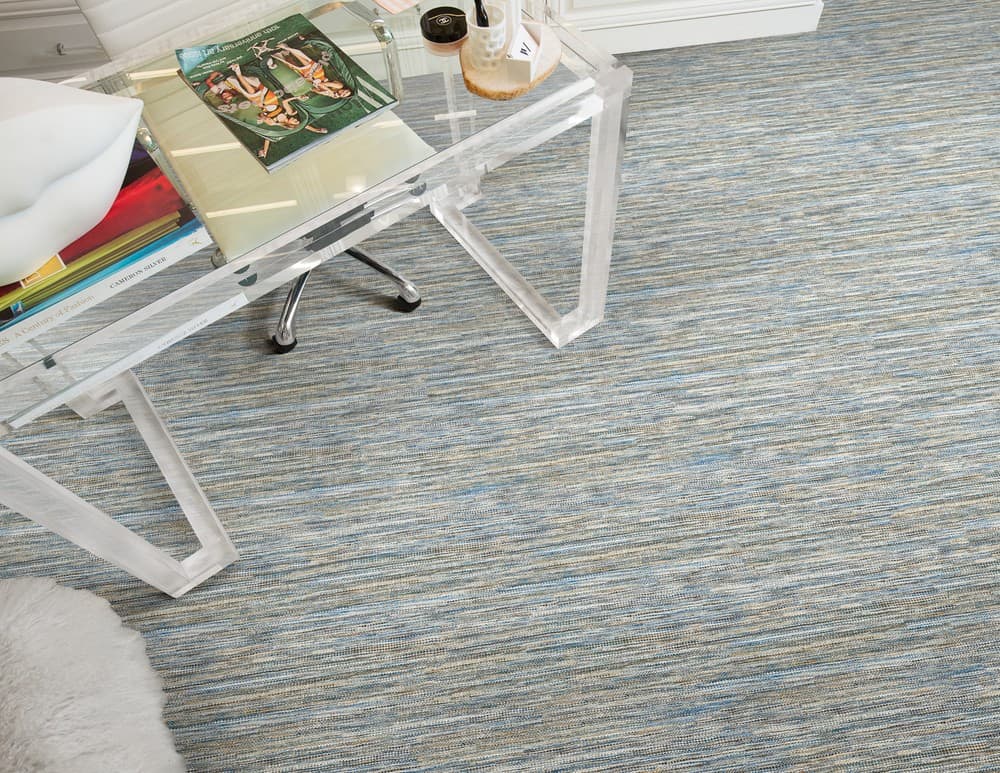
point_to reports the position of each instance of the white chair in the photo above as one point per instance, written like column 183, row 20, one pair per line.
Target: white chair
column 125, row 25
column 142, row 29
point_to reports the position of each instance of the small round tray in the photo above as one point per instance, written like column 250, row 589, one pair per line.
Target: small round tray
column 496, row 84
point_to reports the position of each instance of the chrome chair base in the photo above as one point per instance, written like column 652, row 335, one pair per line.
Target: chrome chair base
column 284, row 338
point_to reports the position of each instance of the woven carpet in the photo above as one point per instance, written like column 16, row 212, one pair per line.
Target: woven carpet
column 748, row 522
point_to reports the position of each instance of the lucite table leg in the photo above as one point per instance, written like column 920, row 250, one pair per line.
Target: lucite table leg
column 528, row 299
column 36, row 496
column 607, row 144
column 607, row 138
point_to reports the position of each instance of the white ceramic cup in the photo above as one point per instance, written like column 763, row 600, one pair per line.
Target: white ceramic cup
column 487, row 45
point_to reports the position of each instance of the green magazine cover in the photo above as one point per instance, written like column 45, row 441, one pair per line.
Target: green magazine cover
column 282, row 89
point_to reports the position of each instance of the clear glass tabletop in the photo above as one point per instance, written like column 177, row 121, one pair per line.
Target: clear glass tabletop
column 259, row 230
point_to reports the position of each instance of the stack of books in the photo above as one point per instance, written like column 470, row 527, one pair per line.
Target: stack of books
column 147, row 216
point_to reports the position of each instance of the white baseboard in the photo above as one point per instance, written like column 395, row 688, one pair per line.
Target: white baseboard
column 644, row 26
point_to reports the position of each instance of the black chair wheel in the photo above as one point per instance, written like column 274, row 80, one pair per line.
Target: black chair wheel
column 284, row 348
column 405, row 306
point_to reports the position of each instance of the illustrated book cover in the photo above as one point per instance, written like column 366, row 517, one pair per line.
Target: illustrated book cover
column 283, row 89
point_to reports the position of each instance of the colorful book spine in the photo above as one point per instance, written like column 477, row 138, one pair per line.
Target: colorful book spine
column 134, row 217
column 148, row 228
column 140, row 202
column 76, row 299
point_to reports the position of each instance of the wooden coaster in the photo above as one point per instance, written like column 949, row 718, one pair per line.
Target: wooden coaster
column 496, row 84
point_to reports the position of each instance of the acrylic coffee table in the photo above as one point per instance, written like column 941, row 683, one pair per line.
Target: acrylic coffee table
column 276, row 229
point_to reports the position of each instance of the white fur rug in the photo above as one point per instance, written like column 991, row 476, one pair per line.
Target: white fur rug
column 77, row 693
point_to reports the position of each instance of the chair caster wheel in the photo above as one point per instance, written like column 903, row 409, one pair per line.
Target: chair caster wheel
column 284, row 348
column 405, row 306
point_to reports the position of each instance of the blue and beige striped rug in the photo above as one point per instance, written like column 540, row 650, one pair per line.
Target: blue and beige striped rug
column 749, row 522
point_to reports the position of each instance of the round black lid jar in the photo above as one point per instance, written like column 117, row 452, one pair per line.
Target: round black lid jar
column 444, row 25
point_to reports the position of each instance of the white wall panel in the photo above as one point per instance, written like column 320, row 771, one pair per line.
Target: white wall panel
column 640, row 25
column 30, row 30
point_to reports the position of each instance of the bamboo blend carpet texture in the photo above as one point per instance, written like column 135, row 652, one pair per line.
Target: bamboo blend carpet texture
column 749, row 522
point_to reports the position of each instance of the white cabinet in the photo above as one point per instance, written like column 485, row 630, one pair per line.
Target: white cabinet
column 47, row 39
column 640, row 25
